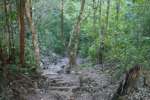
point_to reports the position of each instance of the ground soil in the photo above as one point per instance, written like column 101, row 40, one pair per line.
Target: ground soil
column 88, row 83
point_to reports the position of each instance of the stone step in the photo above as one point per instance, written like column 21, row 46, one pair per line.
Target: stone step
column 66, row 89
column 62, row 84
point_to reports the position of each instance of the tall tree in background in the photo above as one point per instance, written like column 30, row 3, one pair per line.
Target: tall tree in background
column 6, row 42
column 7, row 27
column 107, row 16
column 75, row 37
column 117, row 9
column 62, row 23
column 34, row 34
column 94, row 15
column 103, row 31
column 21, row 14
column 101, row 37
column 117, row 21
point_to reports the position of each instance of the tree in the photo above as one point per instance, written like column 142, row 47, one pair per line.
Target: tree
column 103, row 31
column 74, row 38
column 33, row 31
column 21, row 14
column 117, row 9
column 94, row 15
column 107, row 16
column 100, row 48
column 62, row 23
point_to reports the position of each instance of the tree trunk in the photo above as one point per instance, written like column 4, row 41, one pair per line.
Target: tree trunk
column 62, row 23
column 7, row 26
column 103, row 32
column 21, row 12
column 117, row 10
column 128, row 85
column 107, row 15
column 74, row 38
column 99, row 51
column 117, row 22
column 94, row 16
column 34, row 34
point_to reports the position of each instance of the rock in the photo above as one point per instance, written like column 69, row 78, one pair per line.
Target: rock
column 146, row 75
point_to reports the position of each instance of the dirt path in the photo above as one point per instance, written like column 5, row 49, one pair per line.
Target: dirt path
column 87, row 84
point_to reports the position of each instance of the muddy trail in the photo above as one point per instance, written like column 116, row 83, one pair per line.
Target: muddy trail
column 88, row 83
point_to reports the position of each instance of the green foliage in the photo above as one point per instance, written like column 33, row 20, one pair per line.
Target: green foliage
column 126, row 39
column 92, row 51
column 29, row 53
column 49, row 25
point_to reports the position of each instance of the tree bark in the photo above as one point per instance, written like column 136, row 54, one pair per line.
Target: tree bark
column 107, row 15
column 117, row 10
column 99, row 51
column 7, row 26
column 62, row 23
column 103, row 32
column 74, row 38
column 21, row 12
column 33, row 31
column 94, row 16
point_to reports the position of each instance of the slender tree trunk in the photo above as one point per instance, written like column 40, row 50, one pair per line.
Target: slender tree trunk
column 99, row 52
column 107, row 15
column 117, row 13
column 7, row 25
column 12, row 30
column 105, row 29
column 21, row 12
column 94, row 16
column 74, row 38
column 34, row 34
column 117, row 10
column 117, row 21
column 62, row 23
column 103, row 33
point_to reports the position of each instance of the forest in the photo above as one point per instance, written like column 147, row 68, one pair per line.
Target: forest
column 75, row 50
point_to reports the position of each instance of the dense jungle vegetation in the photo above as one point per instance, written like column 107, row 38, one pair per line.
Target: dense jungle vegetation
column 113, row 35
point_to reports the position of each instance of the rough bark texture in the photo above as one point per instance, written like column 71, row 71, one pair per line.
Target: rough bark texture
column 21, row 12
column 7, row 26
column 34, row 34
column 74, row 38
column 128, row 85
